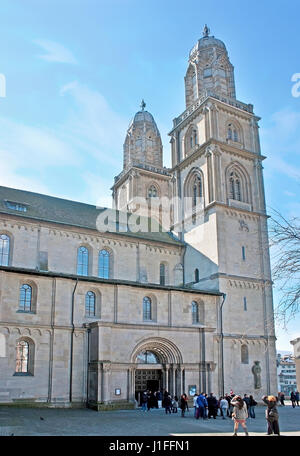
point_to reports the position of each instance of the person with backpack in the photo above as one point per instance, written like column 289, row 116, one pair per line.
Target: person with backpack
column 239, row 414
column 272, row 415
column 252, row 404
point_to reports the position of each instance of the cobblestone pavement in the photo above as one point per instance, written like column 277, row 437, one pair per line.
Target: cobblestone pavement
column 86, row 422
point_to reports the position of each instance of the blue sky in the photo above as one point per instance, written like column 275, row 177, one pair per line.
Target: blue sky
column 76, row 71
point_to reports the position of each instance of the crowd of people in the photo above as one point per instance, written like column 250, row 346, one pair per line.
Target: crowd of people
column 207, row 406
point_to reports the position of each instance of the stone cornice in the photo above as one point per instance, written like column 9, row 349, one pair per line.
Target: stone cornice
column 151, row 326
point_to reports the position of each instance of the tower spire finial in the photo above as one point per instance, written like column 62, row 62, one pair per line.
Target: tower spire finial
column 143, row 105
column 206, row 31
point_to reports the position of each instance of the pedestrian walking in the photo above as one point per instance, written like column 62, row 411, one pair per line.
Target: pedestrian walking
column 175, row 404
column 252, row 404
column 183, row 404
column 159, row 398
column 144, row 399
column 293, row 399
column 246, row 400
column 239, row 414
column 168, row 404
column 230, row 408
column 282, row 399
column 223, row 407
column 186, row 400
column 202, row 405
column 297, row 398
column 196, row 406
column 272, row 415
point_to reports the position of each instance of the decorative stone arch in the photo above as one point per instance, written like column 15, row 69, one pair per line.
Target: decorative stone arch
column 191, row 140
column 111, row 253
column 191, row 84
column 166, row 351
column 237, row 171
column 234, row 131
column 10, row 235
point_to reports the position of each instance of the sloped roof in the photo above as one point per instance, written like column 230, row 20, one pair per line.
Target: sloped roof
column 57, row 210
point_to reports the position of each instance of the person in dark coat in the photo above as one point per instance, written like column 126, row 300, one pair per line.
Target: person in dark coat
column 212, row 406
column 272, row 415
column 144, row 400
column 293, row 399
column 252, row 404
column 297, row 397
column 183, row 404
column 282, row 399
column 168, row 404
column 246, row 400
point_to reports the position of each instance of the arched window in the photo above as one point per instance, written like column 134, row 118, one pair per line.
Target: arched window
column 235, row 135
column 25, row 302
column 244, row 354
column 90, row 304
column 162, row 274
column 104, row 264
column 235, row 186
column 152, row 192
column 229, row 133
column 196, row 275
column 24, row 357
column 147, row 308
column 195, row 312
column 82, row 261
column 4, row 249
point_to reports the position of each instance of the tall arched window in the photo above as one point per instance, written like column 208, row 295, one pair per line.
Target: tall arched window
column 24, row 357
column 147, row 308
column 83, row 261
column 90, row 304
column 233, row 133
column 162, row 274
column 4, row 249
column 195, row 312
column 152, row 192
column 235, row 186
column 244, row 354
column 229, row 133
column 104, row 264
column 25, row 302
column 196, row 275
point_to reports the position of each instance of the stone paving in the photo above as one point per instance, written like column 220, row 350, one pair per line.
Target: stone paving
column 86, row 422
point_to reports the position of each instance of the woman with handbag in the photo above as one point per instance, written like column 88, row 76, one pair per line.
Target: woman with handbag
column 272, row 415
column 239, row 414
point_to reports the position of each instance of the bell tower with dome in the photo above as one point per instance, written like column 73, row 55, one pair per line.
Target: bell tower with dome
column 142, row 184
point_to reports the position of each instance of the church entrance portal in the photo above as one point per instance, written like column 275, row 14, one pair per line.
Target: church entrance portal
column 147, row 379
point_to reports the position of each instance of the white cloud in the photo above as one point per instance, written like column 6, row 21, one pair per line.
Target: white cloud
column 93, row 124
column 55, row 52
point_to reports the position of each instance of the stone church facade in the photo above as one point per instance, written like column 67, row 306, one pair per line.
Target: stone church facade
column 92, row 317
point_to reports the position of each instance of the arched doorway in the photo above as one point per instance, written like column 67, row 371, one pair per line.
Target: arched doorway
column 158, row 367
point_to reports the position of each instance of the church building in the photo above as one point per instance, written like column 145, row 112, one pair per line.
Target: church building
column 170, row 289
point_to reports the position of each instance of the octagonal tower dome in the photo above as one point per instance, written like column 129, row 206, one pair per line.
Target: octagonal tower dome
column 143, row 142
column 209, row 70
